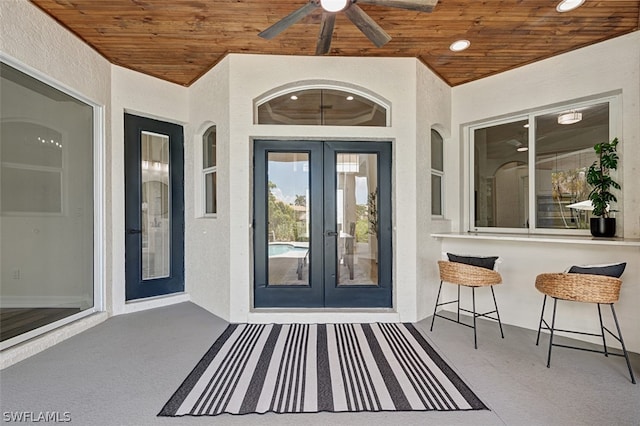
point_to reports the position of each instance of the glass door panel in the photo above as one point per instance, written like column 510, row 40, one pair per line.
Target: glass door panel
column 287, row 231
column 357, row 218
column 154, row 208
column 47, row 200
column 288, row 218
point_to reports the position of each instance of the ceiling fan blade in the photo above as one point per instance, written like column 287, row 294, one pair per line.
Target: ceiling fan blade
column 368, row 26
column 326, row 32
column 288, row 20
column 419, row 5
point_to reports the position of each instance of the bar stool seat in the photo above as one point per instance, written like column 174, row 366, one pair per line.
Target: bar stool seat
column 464, row 275
column 587, row 288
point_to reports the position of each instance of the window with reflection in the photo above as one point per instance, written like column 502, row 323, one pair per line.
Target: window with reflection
column 322, row 107
column 357, row 214
column 32, row 168
column 289, row 218
column 155, row 214
column 46, row 205
column 564, row 152
column 437, row 173
column 529, row 172
column 501, row 175
column 209, row 171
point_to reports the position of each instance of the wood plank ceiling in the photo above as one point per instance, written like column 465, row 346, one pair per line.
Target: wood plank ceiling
column 179, row 40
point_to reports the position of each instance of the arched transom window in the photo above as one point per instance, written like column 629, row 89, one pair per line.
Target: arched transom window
column 322, row 107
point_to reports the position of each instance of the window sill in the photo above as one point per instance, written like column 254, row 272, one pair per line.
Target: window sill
column 538, row 238
column 208, row 216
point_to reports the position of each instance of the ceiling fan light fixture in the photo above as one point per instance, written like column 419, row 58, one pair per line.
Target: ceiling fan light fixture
column 569, row 117
column 459, row 45
column 333, row 6
column 567, row 5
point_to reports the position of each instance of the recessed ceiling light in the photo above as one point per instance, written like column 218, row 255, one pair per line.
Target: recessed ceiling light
column 522, row 149
column 459, row 45
column 349, row 98
column 294, row 98
column 567, row 5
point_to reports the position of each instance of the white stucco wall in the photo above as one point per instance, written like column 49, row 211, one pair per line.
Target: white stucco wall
column 433, row 111
column 38, row 41
column 207, row 252
column 138, row 94
column 605, row 67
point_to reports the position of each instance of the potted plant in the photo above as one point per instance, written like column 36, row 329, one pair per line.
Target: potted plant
column 598, row 176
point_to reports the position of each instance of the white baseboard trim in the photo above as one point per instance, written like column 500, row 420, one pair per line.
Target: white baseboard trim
column 311, row 317
column 154, row 302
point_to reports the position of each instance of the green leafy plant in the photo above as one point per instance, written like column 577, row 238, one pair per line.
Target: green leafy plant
column 598, row 176
column 372, row 202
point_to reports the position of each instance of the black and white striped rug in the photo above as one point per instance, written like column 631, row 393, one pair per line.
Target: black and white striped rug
column 306, row 368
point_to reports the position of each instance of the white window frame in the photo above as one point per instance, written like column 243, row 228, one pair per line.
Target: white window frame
column 99, row 193
column 439, row 173
column 213, row 170
column 615, row 128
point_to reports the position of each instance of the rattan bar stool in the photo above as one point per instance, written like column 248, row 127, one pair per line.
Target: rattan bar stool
column 468, row 276
column 599, row 289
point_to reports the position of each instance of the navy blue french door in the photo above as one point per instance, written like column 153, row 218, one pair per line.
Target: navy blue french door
column 154, row 207
column 322, row 224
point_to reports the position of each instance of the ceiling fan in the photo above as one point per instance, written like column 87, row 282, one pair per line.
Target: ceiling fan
column 330, row 8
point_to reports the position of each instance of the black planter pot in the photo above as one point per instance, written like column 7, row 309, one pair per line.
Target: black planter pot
column 603, row 226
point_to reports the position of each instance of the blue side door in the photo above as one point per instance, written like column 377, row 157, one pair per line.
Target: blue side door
column 154, row 208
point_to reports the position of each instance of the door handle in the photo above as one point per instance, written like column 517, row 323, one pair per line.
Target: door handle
column 331, row 234
column 134, row 231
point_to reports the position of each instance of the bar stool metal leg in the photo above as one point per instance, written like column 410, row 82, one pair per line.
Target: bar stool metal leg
column 604, row 341
column 624, row 349
column 553, row 325
column 497, row 313
column 473, row 297
column 544, row 301
column 458, row 303
column 435, row 308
